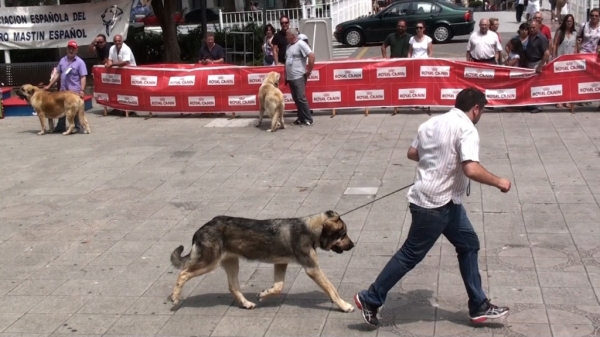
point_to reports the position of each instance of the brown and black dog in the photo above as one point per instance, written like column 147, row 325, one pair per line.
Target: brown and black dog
column 278, row 241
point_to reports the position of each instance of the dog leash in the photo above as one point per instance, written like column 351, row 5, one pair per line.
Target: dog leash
column 387, row 195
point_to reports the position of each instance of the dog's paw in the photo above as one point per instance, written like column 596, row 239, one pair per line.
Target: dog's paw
column 257, row 124
column 249, row 305
column 66, row 133
column 41, row 133
column 347, row 307
column 87, row 132
column 174, row 300
column 269, row 130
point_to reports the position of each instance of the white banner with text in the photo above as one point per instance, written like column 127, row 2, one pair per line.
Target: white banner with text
column 53, row 26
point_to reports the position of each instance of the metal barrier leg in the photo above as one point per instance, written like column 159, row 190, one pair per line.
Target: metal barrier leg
column 332, row 113
column 395, row 111
column 429, row 110
column 366, row 111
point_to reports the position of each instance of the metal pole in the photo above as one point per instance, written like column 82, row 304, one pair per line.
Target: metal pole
column 6, row 52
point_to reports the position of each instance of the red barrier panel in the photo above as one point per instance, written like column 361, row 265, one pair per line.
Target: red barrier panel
column 347, row 84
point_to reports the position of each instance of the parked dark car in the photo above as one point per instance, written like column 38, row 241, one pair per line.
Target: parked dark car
column 443, row 20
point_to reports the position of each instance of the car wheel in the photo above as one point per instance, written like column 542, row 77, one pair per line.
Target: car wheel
column 441, row 34
column 354, row 38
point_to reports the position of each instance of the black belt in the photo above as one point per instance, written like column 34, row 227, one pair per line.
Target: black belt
column 490, row 60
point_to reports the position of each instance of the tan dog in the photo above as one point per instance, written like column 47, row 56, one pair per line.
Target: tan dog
column 55, row 105
column 270, row 99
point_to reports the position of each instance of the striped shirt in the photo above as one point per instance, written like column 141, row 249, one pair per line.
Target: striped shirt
column 443, row 143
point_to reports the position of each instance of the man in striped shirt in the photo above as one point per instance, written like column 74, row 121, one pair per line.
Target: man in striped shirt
column 446, row 148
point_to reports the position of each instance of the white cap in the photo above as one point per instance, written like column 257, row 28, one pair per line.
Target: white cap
column 302, row 37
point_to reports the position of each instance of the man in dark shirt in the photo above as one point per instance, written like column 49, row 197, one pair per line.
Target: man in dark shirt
column 398, row 42
column 280, row 40
column 101, row 48
column 211, row 52
column 536, row 52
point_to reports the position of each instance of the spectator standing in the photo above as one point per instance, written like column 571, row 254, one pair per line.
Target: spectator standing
column 494, row 25
column 420, row 45
column 299, row 63
column 120, row 55
column 543, row 28
column 533, row 7
column 537, row 52
column 519, row 10
column 270, row 57
column 398, row 42
column 102, row 50
column 211, row 52
column 483, row 45
column 72, row 72
column 446, row 148
column 565, row 42
column 515, row 54
column 523, row 34
column 588, row 37
column 280, row 41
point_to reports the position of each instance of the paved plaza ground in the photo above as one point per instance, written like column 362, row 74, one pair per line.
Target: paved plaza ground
column 88, row 222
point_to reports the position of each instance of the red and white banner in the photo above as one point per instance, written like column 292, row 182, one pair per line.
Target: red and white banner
column 347, row 84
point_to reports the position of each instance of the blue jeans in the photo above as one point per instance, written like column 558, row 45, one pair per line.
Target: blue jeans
column 426, row 227
column 62, row 123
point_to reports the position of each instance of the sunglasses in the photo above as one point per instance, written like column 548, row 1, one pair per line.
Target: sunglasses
column 419, row 27
column 284, row 22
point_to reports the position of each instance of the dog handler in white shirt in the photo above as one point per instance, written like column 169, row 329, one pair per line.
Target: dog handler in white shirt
column 446, row 148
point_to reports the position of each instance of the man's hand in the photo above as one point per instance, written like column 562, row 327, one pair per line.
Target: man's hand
column 504, row 185
column 81, row 93
column 46, row 87
column 108, row 65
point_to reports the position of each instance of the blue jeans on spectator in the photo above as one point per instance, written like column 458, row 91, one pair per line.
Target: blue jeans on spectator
column 427, row 226
column 62, row 124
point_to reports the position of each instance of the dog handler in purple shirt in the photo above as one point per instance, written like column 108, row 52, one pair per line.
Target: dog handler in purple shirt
column 72, row 73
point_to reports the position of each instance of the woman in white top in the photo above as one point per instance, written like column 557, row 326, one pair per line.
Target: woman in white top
column 420, row 45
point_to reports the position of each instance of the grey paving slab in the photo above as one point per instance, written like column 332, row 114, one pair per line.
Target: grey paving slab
column 88, row 223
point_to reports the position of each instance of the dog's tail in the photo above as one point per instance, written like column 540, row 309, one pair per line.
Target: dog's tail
column 181, row 262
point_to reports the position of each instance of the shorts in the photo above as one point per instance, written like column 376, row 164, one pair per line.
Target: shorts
column 533, row 7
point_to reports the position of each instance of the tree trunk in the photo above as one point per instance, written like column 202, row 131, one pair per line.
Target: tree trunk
column 165, row 15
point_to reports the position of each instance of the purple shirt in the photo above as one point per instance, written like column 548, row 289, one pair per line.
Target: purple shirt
column 71, row 73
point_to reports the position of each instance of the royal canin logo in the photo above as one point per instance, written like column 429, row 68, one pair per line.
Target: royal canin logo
column 449, row 93
column 589, row 88
column 369, row 95
column 428, row 71
column 569, row 66
column 99, row 96
column 327, row 97
column 256, row 78
column 479, row 73
column 221, row 80
column 288, row 99
column 348, row 74
column 391, row 72
column 420, row 93
column 547, row 91
column 496, row 94
column 144, row 81
column 242, row 100
column 314, row 76
column 196, row 101
column 128, row 100
column 182, row 80
column 111, row 78
column 163, row 101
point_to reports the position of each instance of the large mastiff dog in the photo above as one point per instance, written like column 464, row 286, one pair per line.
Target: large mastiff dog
column 270, row 99
column 55, row 105
column 226, row 239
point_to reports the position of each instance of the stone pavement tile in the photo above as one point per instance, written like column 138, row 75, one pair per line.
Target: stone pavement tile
column 347, row 327
column 544, row 219
column 242, row 326
column 302, row 326
column 184, row 325
column 93, row 324
column 142, row 325
column 38, row 323
column 569, row 296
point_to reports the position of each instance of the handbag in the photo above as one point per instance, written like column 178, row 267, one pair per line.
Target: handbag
column 269, row 59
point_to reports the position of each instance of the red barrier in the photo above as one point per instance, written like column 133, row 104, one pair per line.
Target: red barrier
column 347, row 84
